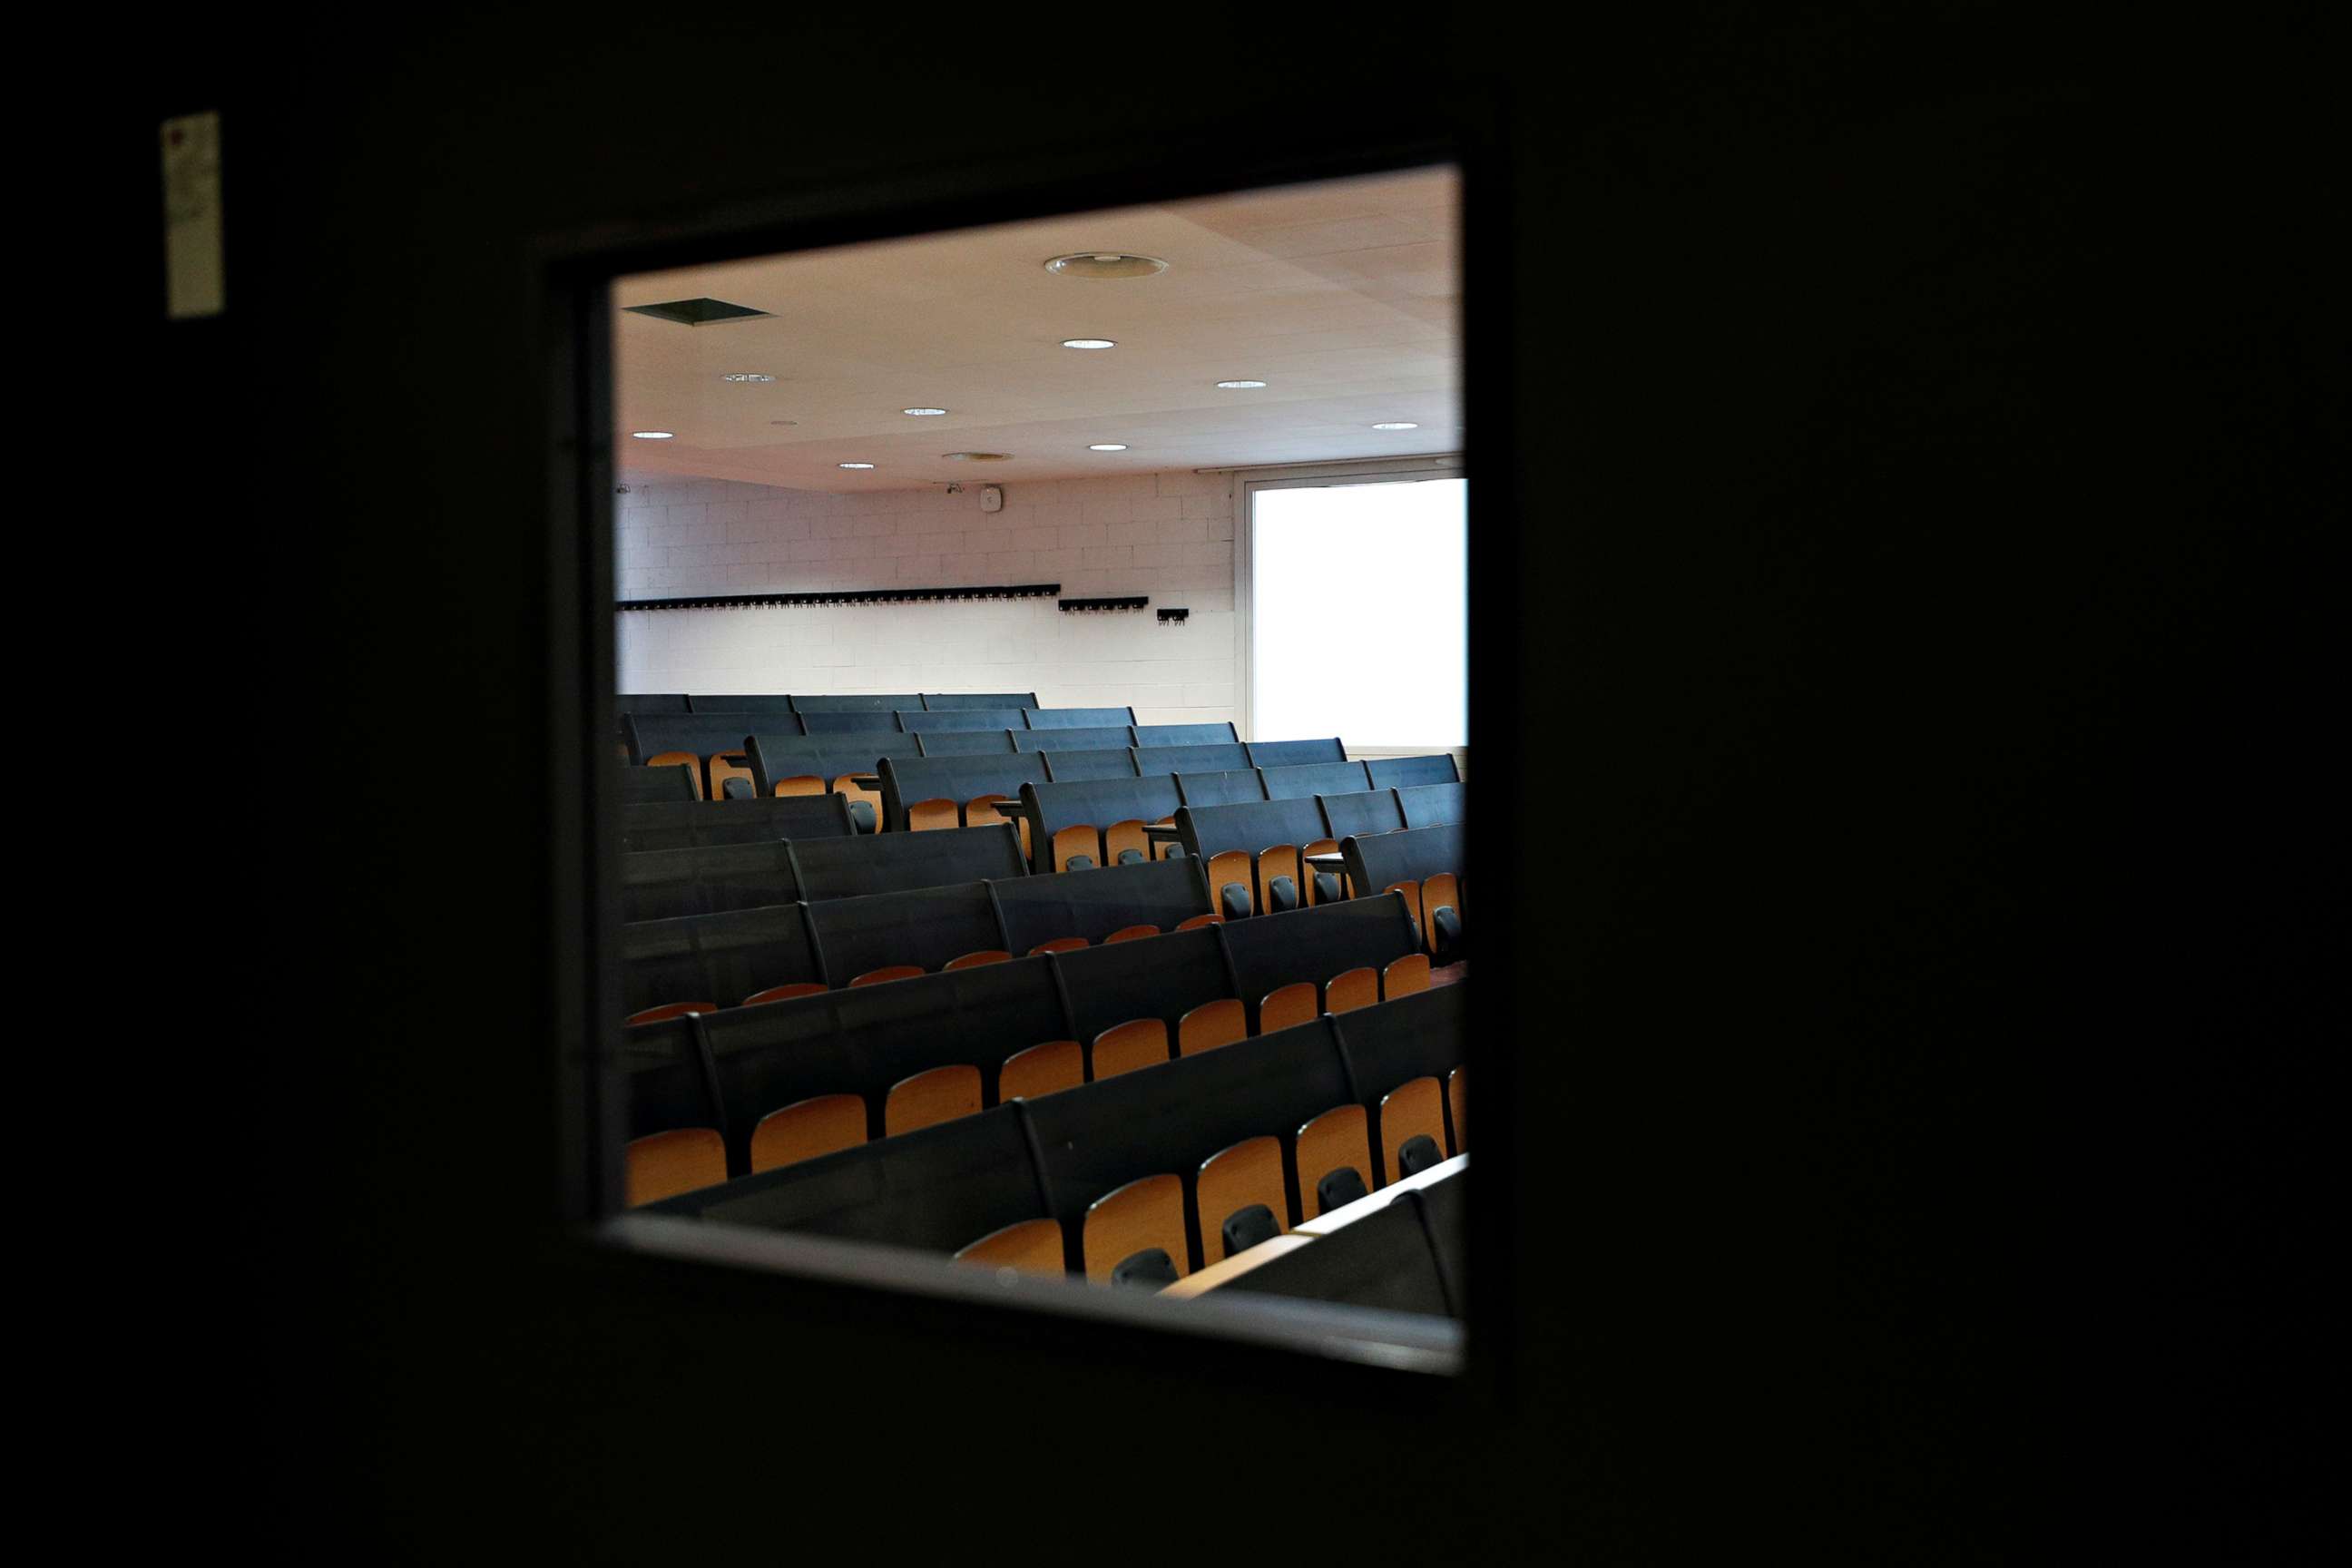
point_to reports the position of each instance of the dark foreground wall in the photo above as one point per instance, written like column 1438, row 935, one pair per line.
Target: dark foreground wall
column 1903, row 475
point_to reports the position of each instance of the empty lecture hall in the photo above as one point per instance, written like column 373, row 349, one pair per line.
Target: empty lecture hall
column 820, row 677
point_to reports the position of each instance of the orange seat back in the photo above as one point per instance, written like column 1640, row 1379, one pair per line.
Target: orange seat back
column 1138, row 1043
column 1042, row 1069
column 1211, row 1024
column 1026, row 1247
column 942, row 1094
column 1147, row 1212
column 668, row 1164
column 806, row 1128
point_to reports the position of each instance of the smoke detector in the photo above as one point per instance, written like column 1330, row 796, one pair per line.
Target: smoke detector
column 1106, row 264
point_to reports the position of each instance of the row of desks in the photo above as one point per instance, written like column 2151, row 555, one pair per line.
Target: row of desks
column 1241, row 1263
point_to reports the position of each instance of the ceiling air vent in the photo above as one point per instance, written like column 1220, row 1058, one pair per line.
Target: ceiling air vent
column 697, row 312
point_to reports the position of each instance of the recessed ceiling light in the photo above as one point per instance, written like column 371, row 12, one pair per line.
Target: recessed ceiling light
column 922, row 413
column 976, row 457
column 1238, row 385
column 747, row 375
column 1089, row 343
column 1106, row 264
column 654, row 435
column 1398, row 425
column 1108, row 447
column 852, row 465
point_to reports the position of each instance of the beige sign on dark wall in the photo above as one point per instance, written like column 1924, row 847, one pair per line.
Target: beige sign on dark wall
column 192, row 217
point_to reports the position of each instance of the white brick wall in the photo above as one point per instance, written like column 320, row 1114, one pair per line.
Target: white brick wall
column 1168, row 535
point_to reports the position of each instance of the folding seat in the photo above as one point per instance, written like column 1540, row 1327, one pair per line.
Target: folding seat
column 1062, row 945
column 1129, row 933
column 858, row 796
column 1229, row 884
column 942, row 1094
column 1405, row 976
column 1025, row 1246
column 1124, row 843
column 1333, row 1158
column 1441, row 899
column 727, row 772
column 981, row 811
column 1078, row 847
column 1135, row 1235
column 1278, row 873
column 1412, row 1127
column 1240, row 1198
column 1356, row 988
column 806, row 1128
column 1198, row 921
column 1211, row 1024
column 925, row 815
column 668, row 1011
column 1138, row 1043
column 1042, row 1069
column 1457, row 1103
column 889, row 971
column 1322, row 888
column 668, row 1164
column 687, row 760
column 1411, row 891
column 1288, row 1004
column 975, row 960
column 784, row 992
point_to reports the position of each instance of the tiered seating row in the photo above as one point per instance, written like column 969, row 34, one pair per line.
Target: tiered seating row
column 1025, row 1026
column 1405, row 1255
column 725, row 957
column 1094, row 821
column 709, row 879
column 705, row 731
column 1145, row 1176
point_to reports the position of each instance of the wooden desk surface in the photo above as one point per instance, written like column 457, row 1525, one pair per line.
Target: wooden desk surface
column 1233, row 1268
column 1372, row 1203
